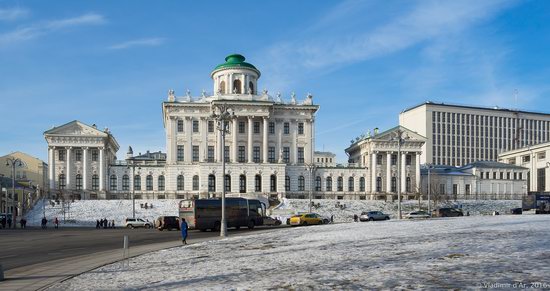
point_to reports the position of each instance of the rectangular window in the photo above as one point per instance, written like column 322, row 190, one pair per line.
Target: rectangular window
column 94, row 155
column 241, row 154
column 393, row 160
column 408, row 160
column 286, row 128
column 180, row 125
column 210, row 154
column 300, row 155
column 271, row 154
column 195, row 153
column 256, row 154
column 226, row 154
column 210, row 126
column 286, row 155
column 180, row 153
column 78, row 155
column 61, row 155
column 287, row 183
column 300, row 128
column 272, row 128
column 256, row 127
column 241, row 126
column 195, row 126
column 379, row 160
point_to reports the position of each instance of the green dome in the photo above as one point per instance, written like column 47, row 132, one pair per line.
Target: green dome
column 235, row 61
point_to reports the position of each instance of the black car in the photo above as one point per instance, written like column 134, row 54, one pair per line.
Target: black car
column 447, row 212
column 167, row 222
column 516, row 210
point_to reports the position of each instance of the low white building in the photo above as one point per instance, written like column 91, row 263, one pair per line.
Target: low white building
column 536, row 158
column 478, row 180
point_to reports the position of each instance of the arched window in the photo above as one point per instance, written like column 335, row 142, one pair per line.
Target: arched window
column 393, row 184
column 125, row 183
column 227, row 183
column 180, row 183
column 329, row 184
column 195, row 183
column 287, row 183
column 78, row 181
column 340, row 184
column 149, row 183
column 137, row 182
column 318, row 183
column 62, row 181
column 242, row 184
column 273, row 183
column 378, row 184
column 408, row 185
column 351, row 187
column 362, row 184
column 211, row 183
column 237, row 87
column 95, row 182
column 161, row 183
column 301, row 183
column 251, row 87
column 258, row 183
column 112, row 183
column 222, row 87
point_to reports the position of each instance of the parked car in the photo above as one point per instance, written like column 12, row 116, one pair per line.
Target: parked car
column 270, row 221
column 516, row 210
column 167, row 222
column 288, row 219
column 137, row 222
column 417, row 214
column 373, row 215
column 447, row 212
column 306, row 219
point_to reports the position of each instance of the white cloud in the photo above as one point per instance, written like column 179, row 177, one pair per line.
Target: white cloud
column 36, row 30
column 139, row 42
column 11, row 14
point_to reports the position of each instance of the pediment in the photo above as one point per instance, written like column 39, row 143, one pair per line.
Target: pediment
column 75, row 128
column 393, row 132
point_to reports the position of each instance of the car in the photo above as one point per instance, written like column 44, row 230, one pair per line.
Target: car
column 516, row 210
column 167, row 222
column 373, row 215
column 417, row 214
column 270, row 221
column 447, row 212
column 288, row 219
column 306, row 219
column 137, row 222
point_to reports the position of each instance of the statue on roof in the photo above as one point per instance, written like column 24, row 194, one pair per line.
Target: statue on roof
column 293, row 98
column 278, row 98
column 171, row 95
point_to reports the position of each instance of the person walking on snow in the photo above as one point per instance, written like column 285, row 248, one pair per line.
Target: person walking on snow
column 183, row 228
column 56, row 223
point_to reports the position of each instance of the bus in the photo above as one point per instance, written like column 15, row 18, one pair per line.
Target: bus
column 204, row 214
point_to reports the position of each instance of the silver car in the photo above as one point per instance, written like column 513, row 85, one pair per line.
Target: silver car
column 373, row 215
column 417, row 215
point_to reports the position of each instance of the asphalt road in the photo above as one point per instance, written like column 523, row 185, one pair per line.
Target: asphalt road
column 20, row 248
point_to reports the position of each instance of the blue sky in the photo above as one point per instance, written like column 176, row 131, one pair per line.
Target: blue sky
column 112, row 62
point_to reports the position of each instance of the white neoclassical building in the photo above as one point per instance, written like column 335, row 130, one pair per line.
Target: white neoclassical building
column 536, row 158
column 269, row 150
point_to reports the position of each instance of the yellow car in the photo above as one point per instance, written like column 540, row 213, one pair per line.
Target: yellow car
column 306, row 219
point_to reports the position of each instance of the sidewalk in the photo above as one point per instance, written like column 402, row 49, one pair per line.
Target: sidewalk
column 43, row 275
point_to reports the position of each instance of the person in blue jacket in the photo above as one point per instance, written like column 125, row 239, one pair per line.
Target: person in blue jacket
column 183, row 228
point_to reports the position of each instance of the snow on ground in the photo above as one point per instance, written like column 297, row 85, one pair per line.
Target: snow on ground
column 468, row 253
column 85, row 212
column 328, row 207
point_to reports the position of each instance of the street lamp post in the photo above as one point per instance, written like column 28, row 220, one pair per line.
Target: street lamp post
column 223, row 114
column 430, row 166
column 311, row 169
column 13, row 162
column 400, row 138
column 133, row 166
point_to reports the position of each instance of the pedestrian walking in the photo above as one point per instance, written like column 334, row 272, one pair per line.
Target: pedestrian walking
column 22, row 223
column 105, row 223
column 97, row 224
column 56, row 223
column 44, row 222
column 183, row 228
column 9, row 222
column 355, row 217
column 113, row 224
column 332, row 219
column 3, row 222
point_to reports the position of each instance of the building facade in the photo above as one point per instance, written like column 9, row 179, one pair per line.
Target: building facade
column 483, row 180
column 535, row 159
column 458, row 135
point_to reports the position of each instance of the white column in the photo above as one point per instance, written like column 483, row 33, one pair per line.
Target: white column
column 174, row 142
column 388, row 172
column 243, row 83
column 294, row 149
column 417, row 171
column 311, row 136
column 250, row 125
column 85, row 169
column 373, row 172
column 203, row 128
column 51, row 165
column 68, row 168
column 189, row 138
column 264, row 142
column 218, row 150
column 234, row 143
column 101, row 169
column 403, row 175
column 279, row 149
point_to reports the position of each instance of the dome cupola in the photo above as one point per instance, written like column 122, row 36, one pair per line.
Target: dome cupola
column 235, row 76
